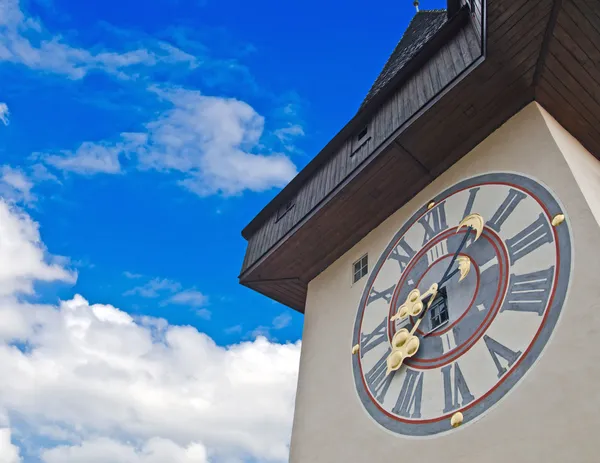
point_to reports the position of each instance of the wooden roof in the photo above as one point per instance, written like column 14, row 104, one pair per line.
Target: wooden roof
column 486, row 61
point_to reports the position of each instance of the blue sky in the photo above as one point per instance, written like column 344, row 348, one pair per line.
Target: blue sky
column 141, row 137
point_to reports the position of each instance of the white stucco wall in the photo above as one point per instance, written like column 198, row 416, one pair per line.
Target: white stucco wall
column 585, row 167
column 552, row 415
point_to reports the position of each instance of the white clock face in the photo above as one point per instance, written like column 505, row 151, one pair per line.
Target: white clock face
column 478, row 335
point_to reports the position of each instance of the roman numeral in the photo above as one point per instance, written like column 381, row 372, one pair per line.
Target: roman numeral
column 496, row 349
column 529, row 239
column 371, row 340
column 386, row 294
column 470, row 201
column 434, row 222
column 402, row 253
column 507, row 207
column 448, row 341
column 377, row 380
column 455, row 385
column 529, row 292
column 409, row 400
column 437, row 251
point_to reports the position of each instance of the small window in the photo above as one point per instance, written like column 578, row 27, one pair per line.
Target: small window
column 362, row 134
column 360, row 268
column 284, row 209
column 362, row 138
column 438, row 311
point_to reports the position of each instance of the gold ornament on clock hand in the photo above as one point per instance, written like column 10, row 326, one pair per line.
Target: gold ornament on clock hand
column 413, row 305
column 474, row 221
column 404, row 343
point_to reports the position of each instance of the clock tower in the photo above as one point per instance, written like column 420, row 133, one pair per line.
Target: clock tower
column 445, row 247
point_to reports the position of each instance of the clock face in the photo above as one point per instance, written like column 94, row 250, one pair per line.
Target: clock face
column 477, row 336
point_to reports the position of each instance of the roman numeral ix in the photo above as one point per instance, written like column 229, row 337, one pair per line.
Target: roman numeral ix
column 371, row 340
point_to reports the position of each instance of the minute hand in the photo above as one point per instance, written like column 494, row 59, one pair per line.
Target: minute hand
column 447, row 274
column 473, row 222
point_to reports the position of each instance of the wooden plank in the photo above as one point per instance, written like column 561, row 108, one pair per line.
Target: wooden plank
column 478, row 101
column 461, row 61
column 585, row 121
column 581, row 31
column 478, row 82
column 517, row 43
column 590, row 10
column 586, row 90
column 594, row 8
column 337, row 218
column 536, row 20
column 506, row 104
column 473, row 38
column 565, row 113
column 561, row 88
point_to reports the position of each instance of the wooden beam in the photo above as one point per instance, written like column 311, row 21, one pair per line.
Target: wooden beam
column 556, row 7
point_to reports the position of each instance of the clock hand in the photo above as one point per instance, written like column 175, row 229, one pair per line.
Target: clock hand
column 473, row 222
column 404, row 343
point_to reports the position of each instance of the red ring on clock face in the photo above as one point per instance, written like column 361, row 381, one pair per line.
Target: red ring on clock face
column 425, row 362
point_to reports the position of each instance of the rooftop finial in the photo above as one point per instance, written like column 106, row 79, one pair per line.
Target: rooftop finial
column 416, row 4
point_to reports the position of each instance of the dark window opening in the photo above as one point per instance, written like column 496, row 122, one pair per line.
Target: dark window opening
column 362, row 134
column 284, row 209
column 361, row 268
column 438, row 312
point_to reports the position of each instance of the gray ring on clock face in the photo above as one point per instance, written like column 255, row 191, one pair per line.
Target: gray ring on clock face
column 561, row 285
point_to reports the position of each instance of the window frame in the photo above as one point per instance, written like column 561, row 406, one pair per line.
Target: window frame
column 362, row 270
column 361, row 138
column 439, row 311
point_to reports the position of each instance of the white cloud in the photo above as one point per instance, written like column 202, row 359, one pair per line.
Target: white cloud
column 4, row 113
column 189, row 297
column 211, row 141
column 130, row 390
column 285, row 134
column 132, row 275
column 279, row 322
column 25, row 41
column 22, row 254
column 102, row 450
column 9, row 453
column 204, row 313
column 154, row 288
column 89, row 158
column 233, row 329
column 282, row 320
column 15, row 185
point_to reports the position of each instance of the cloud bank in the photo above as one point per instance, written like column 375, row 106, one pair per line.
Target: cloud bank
column 101, row 385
